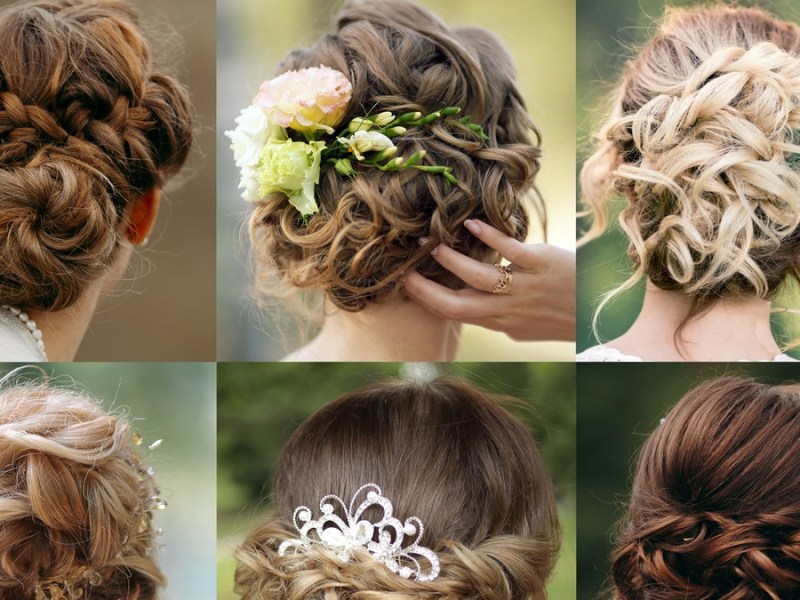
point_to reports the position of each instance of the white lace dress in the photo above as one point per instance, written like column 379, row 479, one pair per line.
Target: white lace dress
column 603, row 353
column 16, row 342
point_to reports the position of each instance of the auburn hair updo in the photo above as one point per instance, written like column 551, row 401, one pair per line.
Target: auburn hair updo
column 442, row 451
column 399, row 58
column 88, row 124
column 715, row 511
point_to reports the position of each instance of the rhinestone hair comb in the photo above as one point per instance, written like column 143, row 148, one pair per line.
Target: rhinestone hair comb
column 358, row 535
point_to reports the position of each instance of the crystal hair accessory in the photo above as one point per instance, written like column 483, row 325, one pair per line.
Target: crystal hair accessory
column 285, row 136
column 358, row 535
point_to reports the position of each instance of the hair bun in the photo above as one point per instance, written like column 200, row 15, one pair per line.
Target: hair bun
column 73, row 499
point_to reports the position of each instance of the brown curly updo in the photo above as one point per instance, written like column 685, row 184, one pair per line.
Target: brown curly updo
column 87, row 126
column 703, row 142
column 400, row 58
column 715, row 511
column 441, row 451
column 75, row 501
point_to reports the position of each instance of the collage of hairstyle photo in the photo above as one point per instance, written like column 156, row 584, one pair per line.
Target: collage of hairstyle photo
column 310, row 300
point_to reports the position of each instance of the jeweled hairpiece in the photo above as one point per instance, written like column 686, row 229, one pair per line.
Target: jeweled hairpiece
column 359, row 535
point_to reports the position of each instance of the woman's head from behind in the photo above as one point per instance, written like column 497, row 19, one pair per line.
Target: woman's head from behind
column 442, row 452
column 401, row 58
column 714, row 511
column 704, row 143
column 89, row 131
column 76, row 501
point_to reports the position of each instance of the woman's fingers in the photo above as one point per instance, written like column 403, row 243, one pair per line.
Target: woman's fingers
column 515, row 252
column 477, row 275
column 462, row 305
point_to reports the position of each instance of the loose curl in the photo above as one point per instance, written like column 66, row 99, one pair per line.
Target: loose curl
column 400, row 58
column 714, row 511
column 703, row 141
column 87, row 126
column 75, row 500
column 492, row 520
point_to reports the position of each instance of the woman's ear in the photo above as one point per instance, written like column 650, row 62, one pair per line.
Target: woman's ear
column 142, row 216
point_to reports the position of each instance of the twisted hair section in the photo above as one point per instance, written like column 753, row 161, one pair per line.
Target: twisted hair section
column 443, row 452
column 714, row 511
column 703, row 143
column 87, row 126
column 400, row 58
column 75, row 520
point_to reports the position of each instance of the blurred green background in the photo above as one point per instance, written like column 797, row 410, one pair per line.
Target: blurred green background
column 254, row 36
column 260, row 406
column 608, row 33
column 176, row 403
column 619, row 404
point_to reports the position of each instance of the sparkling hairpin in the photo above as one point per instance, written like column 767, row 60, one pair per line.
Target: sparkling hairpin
column 358, row 535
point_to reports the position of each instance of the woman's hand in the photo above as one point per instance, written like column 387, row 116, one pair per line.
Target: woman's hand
column 539, row 305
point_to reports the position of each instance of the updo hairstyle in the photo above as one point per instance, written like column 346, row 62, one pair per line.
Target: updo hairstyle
column 441, row 451
column 715, row 511
column 704, row 143
column 401, row 58
column 75, row 501
column 87, row 126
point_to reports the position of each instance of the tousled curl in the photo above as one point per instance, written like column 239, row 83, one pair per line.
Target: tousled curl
column 703, row 141
column 74, row 500
column 714, row 511
column 401, row 58
column 87, row 126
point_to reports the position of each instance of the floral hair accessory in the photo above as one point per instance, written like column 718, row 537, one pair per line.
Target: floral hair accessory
column 285, row 136
column 356, row 534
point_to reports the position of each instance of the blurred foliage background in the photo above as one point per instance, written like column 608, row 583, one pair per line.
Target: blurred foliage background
column 260, row 406
column 254, row 36
column 174, row 403
column 608, row 34
column 619, row 404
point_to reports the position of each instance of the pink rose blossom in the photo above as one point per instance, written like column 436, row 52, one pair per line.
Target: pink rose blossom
column 306, row 100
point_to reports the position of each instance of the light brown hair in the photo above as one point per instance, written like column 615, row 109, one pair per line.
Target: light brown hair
column 75, row 500
column 87, row 125
column 714, row 511
column 399, row 58
column 703, row 142
column 443, row 452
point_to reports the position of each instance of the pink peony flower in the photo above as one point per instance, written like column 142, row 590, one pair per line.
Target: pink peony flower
column 306, row 100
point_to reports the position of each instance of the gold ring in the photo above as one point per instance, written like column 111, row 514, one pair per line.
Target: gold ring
column 503, row 285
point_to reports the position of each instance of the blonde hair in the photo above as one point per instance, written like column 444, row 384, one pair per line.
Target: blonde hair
column 400, row 57
column 75, row 500
column 704, row 143
column 88, row 124
column 444, row 452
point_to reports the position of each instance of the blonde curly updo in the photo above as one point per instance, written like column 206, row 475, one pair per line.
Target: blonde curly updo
column 714, row 512
column 400, row 58
column 87, row 126
column 443, row 452
column 75, row 501
column 704, row 142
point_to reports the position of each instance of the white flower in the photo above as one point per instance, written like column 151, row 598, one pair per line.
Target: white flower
column 293, row 169
column 367, row 141
column 253, row 131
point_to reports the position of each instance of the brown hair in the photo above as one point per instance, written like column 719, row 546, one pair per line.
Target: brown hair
column 75, row 500
column 87, row 125
column 703, row 141
column 400, row 58
column 714, row 511
column 443, row 452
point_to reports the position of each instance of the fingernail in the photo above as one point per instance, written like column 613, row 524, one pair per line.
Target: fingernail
column 473, row 226
column 435, row 251
column 424, row 240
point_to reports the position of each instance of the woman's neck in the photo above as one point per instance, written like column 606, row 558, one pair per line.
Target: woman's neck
column 63, row 330
column 732, row 329
column 400, row 330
